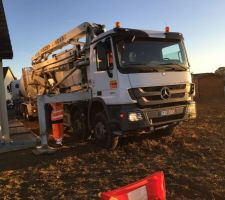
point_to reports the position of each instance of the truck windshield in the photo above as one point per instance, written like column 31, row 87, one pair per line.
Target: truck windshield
column 150, row 55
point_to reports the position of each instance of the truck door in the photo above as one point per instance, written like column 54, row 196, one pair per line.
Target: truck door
column 104, row 81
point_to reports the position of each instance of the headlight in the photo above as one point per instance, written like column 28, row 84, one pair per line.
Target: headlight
column 134, row 117
column 34, row 110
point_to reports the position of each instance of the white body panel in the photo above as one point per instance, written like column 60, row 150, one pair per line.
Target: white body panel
column 7, row 80
column 159, row 79
column 73, row 80
column 30, row 91
column 100, row 81
column 15, row 89
column 127, row 81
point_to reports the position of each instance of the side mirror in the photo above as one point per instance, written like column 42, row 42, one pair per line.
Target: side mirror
column 102, row 60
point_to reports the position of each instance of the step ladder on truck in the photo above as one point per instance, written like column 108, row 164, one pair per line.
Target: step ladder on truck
column 114, row 82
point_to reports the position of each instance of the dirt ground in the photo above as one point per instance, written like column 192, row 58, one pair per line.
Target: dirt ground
column 192, row 159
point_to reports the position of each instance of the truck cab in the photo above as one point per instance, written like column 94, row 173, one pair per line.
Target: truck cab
column 143, row 79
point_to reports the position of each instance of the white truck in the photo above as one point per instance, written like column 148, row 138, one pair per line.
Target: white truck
column 114, row 82
column 24, row 95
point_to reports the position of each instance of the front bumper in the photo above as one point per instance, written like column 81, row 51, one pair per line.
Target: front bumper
column 151, row 118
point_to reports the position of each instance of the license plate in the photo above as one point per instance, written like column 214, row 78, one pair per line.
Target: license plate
column 167, row 112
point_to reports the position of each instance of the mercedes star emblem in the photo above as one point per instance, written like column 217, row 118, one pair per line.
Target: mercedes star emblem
column 165, row 93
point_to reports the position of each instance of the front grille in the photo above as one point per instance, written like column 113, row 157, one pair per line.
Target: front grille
column 152, row 96
column 168, row 104
column 158, row 88
column 178, row 95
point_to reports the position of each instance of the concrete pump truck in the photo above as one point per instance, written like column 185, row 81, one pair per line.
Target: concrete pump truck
column 114, row 82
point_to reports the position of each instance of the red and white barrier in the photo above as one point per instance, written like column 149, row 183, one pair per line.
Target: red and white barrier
column 149, row 188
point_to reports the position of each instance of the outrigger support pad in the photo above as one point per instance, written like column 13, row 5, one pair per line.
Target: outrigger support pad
column 40, row 150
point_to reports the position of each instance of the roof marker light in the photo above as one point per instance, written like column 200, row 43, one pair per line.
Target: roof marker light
column 167, row 29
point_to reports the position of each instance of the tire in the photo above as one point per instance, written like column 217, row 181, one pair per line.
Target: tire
column 79, row 125
column 103, row 133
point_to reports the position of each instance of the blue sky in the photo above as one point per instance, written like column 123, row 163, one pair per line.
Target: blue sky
column 34, row 23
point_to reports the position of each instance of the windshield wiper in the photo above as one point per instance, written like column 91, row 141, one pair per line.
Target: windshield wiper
column 133, row 63
column 174, row 66
column 141, row 67
column 147, row 69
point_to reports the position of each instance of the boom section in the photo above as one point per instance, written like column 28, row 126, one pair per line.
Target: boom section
column 85, row 30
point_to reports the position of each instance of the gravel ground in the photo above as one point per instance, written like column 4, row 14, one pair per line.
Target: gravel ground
column 192, row 159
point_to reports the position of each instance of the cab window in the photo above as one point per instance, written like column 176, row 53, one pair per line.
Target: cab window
column 104, row 57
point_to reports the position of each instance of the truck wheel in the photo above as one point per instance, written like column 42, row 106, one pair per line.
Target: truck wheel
column 80, row 126
column 102, row 131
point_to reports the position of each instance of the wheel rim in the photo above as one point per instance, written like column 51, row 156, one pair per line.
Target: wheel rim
column 100, row 130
